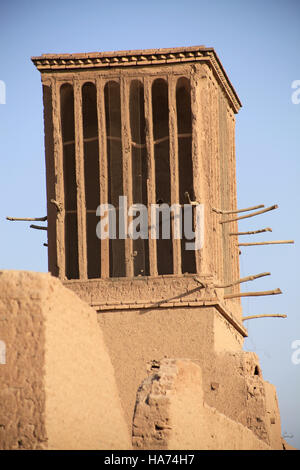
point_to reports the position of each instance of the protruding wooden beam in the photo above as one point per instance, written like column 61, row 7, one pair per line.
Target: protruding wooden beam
column 28, row 219
column 201, row 283
column 38, row 227
column 253, row 294
column 219, row 211
column 243, row 279
column 275, row 242
column 58, row 205
column 276, row 315
column 192, row 203
column 250, row 215
column 254, row 232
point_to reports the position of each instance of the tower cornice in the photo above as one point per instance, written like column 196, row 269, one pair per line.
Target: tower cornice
column 140, row 58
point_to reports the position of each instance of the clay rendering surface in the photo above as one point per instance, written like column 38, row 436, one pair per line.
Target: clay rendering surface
column 134, row 341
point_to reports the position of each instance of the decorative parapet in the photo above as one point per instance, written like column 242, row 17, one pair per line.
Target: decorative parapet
column 148, row 57
column 153, row 293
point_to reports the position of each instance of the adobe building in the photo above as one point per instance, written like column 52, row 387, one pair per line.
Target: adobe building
column 156, row 126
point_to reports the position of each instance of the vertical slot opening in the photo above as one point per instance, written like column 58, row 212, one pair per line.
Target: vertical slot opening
column 91, row 177
column 139, row 171
column 185, row 163
column 115, row 172
column 70, row 190
column 160, row 109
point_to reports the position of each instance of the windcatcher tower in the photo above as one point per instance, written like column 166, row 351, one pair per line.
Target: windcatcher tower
column 151, row 125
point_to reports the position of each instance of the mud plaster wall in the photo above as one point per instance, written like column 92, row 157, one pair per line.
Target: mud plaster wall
column 232, row 380
column 171, row 413
column 22, row 389
column 166, row 291
column 236, row 388
column 58, row 388
column 214, row 139
column 273, row 416
column 137, row 337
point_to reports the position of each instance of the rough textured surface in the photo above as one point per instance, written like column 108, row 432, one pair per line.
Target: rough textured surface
column 273, row 423
column 22, row 389
column 57, row 388
column 233, row 384
column 232, row 379
column 140, row 336
column 171, row 413
column 157, row 292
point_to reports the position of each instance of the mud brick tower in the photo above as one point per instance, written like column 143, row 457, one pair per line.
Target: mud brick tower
column 157, row 126
column 151, row 125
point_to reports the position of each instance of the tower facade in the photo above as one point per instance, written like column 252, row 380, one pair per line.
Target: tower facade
column 156, row 127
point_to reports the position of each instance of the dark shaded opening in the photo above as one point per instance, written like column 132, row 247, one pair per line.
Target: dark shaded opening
column 224, row 146
column 139, row 170
column 70, row 190
column 91, row 177
column 160, row 109
column 115, row 172
column 50, row 180
column 185, row 163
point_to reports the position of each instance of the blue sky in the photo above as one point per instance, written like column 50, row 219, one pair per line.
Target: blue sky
column 258, row 43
